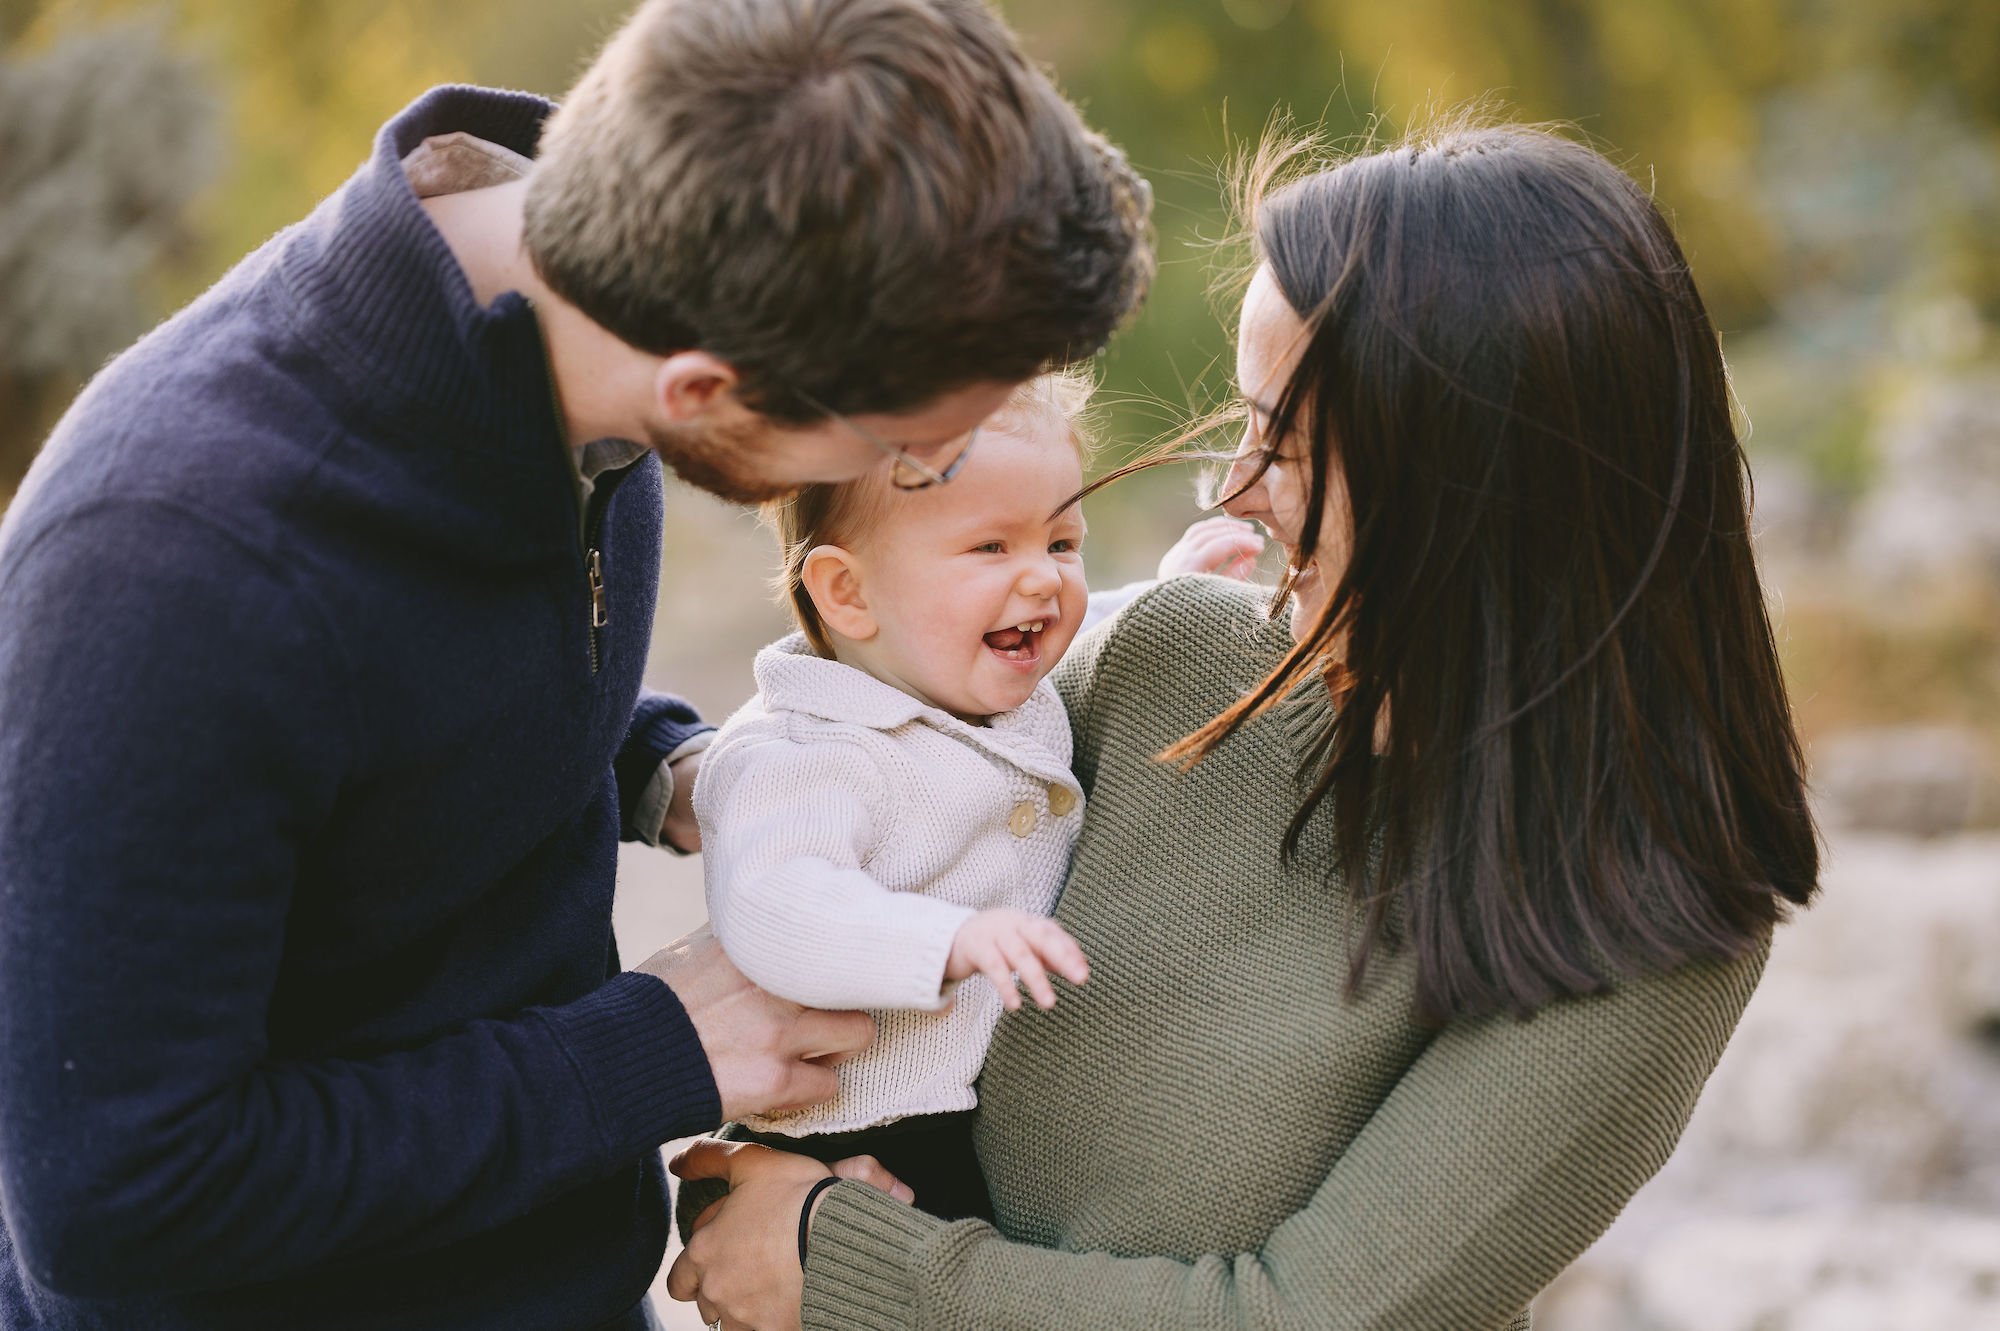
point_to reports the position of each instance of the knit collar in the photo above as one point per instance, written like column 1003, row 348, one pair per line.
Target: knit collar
column 794, row 678
column 376, row 289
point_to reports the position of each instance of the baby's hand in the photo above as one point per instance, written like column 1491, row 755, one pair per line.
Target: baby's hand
column 1001, row 944
column 1215, row 545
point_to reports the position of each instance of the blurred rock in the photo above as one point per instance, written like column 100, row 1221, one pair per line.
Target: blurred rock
column 1842, row 1169
column 1792, row 518
column 1900, row 1269
column 1918, row 780
column 1864, row 1069
column 1937, row 506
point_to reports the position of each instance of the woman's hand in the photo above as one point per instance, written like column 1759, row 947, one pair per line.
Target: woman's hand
column 741, row 1263
column 1215, row 545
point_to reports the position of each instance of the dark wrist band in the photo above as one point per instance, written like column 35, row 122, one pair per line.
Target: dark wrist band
column 805, row 1213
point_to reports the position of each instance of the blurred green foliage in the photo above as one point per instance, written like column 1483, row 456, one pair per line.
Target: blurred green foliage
column 1831, row 164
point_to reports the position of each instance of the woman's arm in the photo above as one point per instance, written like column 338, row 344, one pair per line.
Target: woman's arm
column 1502, row 1153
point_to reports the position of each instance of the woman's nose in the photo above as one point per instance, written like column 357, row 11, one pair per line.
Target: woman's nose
column 1242, row 496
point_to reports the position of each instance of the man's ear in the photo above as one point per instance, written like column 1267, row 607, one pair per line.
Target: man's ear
column 691, row 385
column 833, row 578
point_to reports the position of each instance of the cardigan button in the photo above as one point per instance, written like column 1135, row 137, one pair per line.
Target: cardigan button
column 1061, row 800
column 1022, row 820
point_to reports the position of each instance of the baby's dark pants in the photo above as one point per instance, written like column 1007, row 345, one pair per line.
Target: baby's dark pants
column 930, row 1152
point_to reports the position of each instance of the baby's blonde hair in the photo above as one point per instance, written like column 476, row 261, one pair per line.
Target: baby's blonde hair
column 819, row 515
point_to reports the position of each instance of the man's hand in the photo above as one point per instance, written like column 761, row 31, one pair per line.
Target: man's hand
column 766, row 1054
column 1001, row 944
column 741, row 1263
column 680, row 829
column 1215, row 545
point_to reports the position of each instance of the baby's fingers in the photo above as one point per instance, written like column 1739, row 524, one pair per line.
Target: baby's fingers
column 991, row 962
column 1021, row 955
column 1242, row 568
column 1058, row 951
column 1228, row 551
column 1220, row 545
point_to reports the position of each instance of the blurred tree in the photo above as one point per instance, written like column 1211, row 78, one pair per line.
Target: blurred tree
column 1697, row 98
column 1732, row 111
column 104, row 138
column 308, row 82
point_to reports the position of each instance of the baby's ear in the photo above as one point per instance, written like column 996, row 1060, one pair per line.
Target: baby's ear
column 832, row 577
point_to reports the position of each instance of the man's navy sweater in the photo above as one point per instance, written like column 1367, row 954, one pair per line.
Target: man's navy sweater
column 310, row 1014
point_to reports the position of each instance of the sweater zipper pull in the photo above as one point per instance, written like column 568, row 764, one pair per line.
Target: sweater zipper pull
column 600, row 609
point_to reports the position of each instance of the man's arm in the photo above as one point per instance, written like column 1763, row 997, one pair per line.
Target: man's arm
column 656, row 768
column 171, row 733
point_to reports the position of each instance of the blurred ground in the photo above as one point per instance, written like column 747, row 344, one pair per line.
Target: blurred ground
column 1842, row 1171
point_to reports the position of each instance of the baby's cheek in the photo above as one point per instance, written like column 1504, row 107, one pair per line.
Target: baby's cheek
column 1074, row 602
column 937, row 624
column 1075, row 594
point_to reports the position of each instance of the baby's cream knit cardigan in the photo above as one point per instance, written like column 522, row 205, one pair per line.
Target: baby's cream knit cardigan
column 848, row 830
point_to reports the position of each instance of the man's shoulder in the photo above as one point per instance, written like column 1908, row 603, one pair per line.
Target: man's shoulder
column 213, row 399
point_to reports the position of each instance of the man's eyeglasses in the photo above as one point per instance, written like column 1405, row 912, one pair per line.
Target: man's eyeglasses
column 905, row 471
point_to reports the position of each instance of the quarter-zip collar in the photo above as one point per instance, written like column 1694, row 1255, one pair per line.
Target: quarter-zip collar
column 380, row 294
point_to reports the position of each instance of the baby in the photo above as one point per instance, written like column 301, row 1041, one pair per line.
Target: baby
column 893, row 812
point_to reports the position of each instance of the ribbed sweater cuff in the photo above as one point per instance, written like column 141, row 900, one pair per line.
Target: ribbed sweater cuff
column 641, row 1062
column 661, row 726
column 861, row 1267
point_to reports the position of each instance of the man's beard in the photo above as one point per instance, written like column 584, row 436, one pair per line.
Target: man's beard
column 714, row 460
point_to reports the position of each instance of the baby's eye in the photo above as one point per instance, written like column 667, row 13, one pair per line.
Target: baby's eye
column 1063, row 547
column 990, row 548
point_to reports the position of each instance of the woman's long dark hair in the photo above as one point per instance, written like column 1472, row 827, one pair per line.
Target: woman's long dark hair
column 1550, row 605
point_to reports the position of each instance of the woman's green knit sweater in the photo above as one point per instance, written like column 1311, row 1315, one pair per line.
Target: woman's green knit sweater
column 1207, row 1134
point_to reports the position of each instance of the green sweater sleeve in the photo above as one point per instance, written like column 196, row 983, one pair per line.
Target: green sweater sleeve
column 1505, row 1149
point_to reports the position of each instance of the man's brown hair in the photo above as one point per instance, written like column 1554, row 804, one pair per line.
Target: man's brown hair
column 859, row 204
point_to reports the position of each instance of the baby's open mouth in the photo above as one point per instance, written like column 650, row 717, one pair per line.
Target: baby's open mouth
column 1023, row 642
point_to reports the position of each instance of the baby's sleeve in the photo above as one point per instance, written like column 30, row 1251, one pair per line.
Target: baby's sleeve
column 785, row 826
